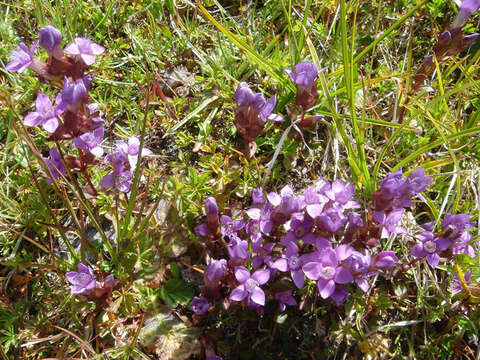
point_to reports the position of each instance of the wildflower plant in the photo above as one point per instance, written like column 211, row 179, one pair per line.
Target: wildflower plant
column 75, row 128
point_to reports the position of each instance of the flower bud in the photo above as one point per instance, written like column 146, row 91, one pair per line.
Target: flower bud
column 385, row 260
column 50, row 39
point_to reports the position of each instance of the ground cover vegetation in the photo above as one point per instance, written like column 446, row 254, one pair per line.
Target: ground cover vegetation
column 239, row 180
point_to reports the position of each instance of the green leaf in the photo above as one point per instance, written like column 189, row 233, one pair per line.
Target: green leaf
column 176, row 292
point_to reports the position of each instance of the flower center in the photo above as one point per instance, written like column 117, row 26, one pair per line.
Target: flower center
column 299, row 232
column 84, row 279
column 327, row 272
column 293, row 262
column 430, row 246
column 255, row 228
column 250, row 285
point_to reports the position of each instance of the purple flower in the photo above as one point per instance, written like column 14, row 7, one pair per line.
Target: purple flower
column 261, row 222
column 454, row 226
column 238, row 250
column 121, row 176
column 257, row 196
column 285, row 298
column 50, row 39
column 200, row 305
column 55, row 165
column 305, row 76
column 384, row 260
column 327, row 271
column 284, row 205
column 467, row 8
column 342, row 193
column 389, row 222
column 82, row 281
column 461, row 245
column 45, row 114
column 74, row 92
column 430, row 247
column 85, row 49
column 417, row 181
column 214, row 272
column 298, row 229
column 229, row 227
column 396, row 191
column 292, row 262
column 250, row 285
column 262, row 253
column 332, row 220
column 251, row 114
column 359, row 265
column 457, row 285
column 340, row 294
column 131, row 148
column 21, row 58
column 90, row 140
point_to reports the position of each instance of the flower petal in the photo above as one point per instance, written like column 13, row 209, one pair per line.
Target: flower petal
column 242, row 274
column 343, row 276
column 261, row 276
column 325, row 288
column 258, row 296
column 32, row 119
column 238, row 294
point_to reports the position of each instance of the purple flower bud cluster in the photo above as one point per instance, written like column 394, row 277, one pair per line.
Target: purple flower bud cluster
column 253, row 110
column 251, row 114
column 305, row 75
column 395, row 194
column 73, row 116
column 83, row 282
column 290, row 240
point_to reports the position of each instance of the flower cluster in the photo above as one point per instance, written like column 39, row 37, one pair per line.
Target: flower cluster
column 251, row 114
column 253, row 111
column 320, row 237
column 288, row 241
column 454, row 236
column 84, row 283
column 73, row 116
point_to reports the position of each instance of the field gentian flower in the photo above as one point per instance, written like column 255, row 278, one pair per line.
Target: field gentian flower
column 85, row 49
column 238, row 250
column 55, row 165
column 90, row 140
column 82, row 281
column 214, row 272
column 292, row 262
column 50, row 39
column 249, row 287
column 121, row 176
column 45, row 114
column 457, row 285
column 285, row 298
column 389, row 222
column 467, row 8
column 327, row 271
column 200, row 305
column 305, row 76
column 251, row 114
column 384, row 260
column 430, row 247
column 74, row 92
column 21, row 58
column 132, row 148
